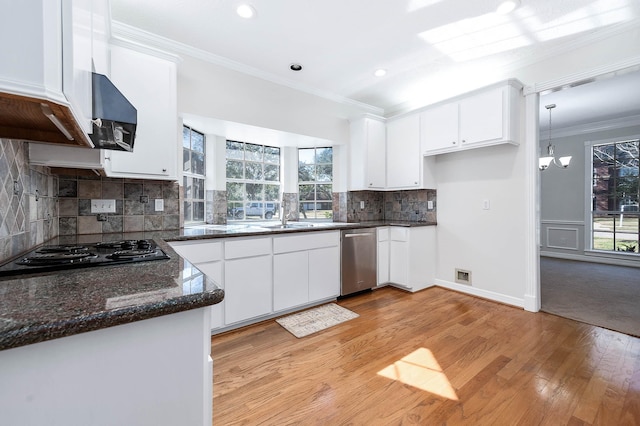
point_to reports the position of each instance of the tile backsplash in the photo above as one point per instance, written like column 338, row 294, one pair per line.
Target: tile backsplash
column 134, row 204
column 28, row 202
column 37, row 205
column 409, row 205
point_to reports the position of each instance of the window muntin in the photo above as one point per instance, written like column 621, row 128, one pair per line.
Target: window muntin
column 615, row 195
column 253, row 181
column 315, row 182
column 193, row 179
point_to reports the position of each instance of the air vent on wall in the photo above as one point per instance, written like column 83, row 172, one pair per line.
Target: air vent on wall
column 463, row 277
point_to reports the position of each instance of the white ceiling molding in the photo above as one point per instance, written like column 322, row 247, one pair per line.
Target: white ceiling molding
column 588, row 128
column 630, row 64
column 137, row 37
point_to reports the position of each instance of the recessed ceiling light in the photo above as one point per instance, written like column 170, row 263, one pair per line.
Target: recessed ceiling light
column 380, row 72
column 507, row 6
column 295, row 67
column 246, row 11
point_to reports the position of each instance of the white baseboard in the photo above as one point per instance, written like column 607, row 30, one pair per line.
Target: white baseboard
column 594, row 258
column 486, row 294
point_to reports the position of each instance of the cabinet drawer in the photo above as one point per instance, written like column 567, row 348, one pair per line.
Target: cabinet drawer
column 398, row 233
column 306, row 241
column 236, row 248
column 198, row 251
column 383, row 233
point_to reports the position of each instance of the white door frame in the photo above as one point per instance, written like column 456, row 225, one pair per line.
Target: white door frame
column 532, row 299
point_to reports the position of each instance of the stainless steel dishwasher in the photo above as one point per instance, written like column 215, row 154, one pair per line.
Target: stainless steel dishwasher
column 358, row 260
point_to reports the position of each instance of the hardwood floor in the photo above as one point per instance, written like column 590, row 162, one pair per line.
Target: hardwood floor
column 429, row 358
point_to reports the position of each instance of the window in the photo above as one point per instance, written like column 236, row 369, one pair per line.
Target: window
column 193, row 167
column 253, row 181
column 315, row 182
column 614, row 224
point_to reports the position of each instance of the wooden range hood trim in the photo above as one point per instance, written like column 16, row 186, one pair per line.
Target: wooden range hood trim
column 21, row 118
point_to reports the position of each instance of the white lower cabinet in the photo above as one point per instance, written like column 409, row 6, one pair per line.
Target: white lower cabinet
column 207, row 256
column 324, row 272
column 383, row 255
column 290, row 280
column 306, row 269
column 248, row 279
column 263, row 276
column 407, row 256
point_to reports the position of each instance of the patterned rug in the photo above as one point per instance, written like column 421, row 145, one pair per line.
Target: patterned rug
column 308, row 322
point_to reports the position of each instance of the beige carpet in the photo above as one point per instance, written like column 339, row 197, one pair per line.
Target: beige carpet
column 607, row 296
column 316, row 319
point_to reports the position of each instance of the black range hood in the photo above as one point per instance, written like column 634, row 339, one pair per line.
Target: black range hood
column 114, row 118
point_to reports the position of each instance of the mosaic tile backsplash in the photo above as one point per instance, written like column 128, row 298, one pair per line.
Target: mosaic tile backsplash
column 28, row 210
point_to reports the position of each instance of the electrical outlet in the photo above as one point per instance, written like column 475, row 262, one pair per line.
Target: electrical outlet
column 103, row 206
column 362, row 205
column 159, row 204
column 430, row 205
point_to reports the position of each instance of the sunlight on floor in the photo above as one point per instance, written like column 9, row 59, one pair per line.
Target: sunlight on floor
column 421, row 370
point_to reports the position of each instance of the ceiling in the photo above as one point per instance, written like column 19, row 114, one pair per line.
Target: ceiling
column 423, row 44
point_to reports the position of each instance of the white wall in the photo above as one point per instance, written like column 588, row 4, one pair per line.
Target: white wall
column 489, row 243
column 209, row 90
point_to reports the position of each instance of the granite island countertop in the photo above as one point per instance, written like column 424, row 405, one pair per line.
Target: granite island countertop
column 49, row 305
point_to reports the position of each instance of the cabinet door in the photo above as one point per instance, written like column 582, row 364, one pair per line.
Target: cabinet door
column 481, row 117
column 376, row 170
column 403, row 152
column 149, row 83
column 383, row 262
column 247, row 288
column 324, row 273
column 399, row 262
column 439, row 128
column 290, row 280
column 213, row 270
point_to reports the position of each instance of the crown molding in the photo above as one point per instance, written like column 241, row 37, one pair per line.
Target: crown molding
column 137, row 38
column 588, row 128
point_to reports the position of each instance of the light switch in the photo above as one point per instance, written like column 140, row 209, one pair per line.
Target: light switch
column 103, row 206
column 159, row 204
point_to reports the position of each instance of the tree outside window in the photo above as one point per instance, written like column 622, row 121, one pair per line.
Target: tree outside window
column 193, row 167
column 315, row 182
column 253, row 181
column 615, row 186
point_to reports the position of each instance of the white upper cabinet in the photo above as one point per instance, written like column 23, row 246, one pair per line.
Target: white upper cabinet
column 149, row 83
column 486, row 117
column 45, row 78
column 404, row 159
column 439, row 128
column 367, row 154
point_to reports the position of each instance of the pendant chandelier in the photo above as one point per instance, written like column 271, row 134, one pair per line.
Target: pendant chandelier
column 544, row 162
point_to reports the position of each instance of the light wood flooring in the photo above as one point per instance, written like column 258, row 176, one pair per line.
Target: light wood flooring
column 430, row 358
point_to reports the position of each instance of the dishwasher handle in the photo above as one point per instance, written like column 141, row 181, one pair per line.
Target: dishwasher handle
column 362, row 234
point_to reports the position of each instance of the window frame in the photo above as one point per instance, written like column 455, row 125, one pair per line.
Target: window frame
column 269, row 200
column 189, row 201
column 315, row 183
column 617, row 215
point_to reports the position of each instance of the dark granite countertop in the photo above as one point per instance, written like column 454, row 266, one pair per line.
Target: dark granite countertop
column 199, row 232
column 39, row 307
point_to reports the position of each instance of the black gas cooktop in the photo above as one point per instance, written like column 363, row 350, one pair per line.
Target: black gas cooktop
column 71, row 256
